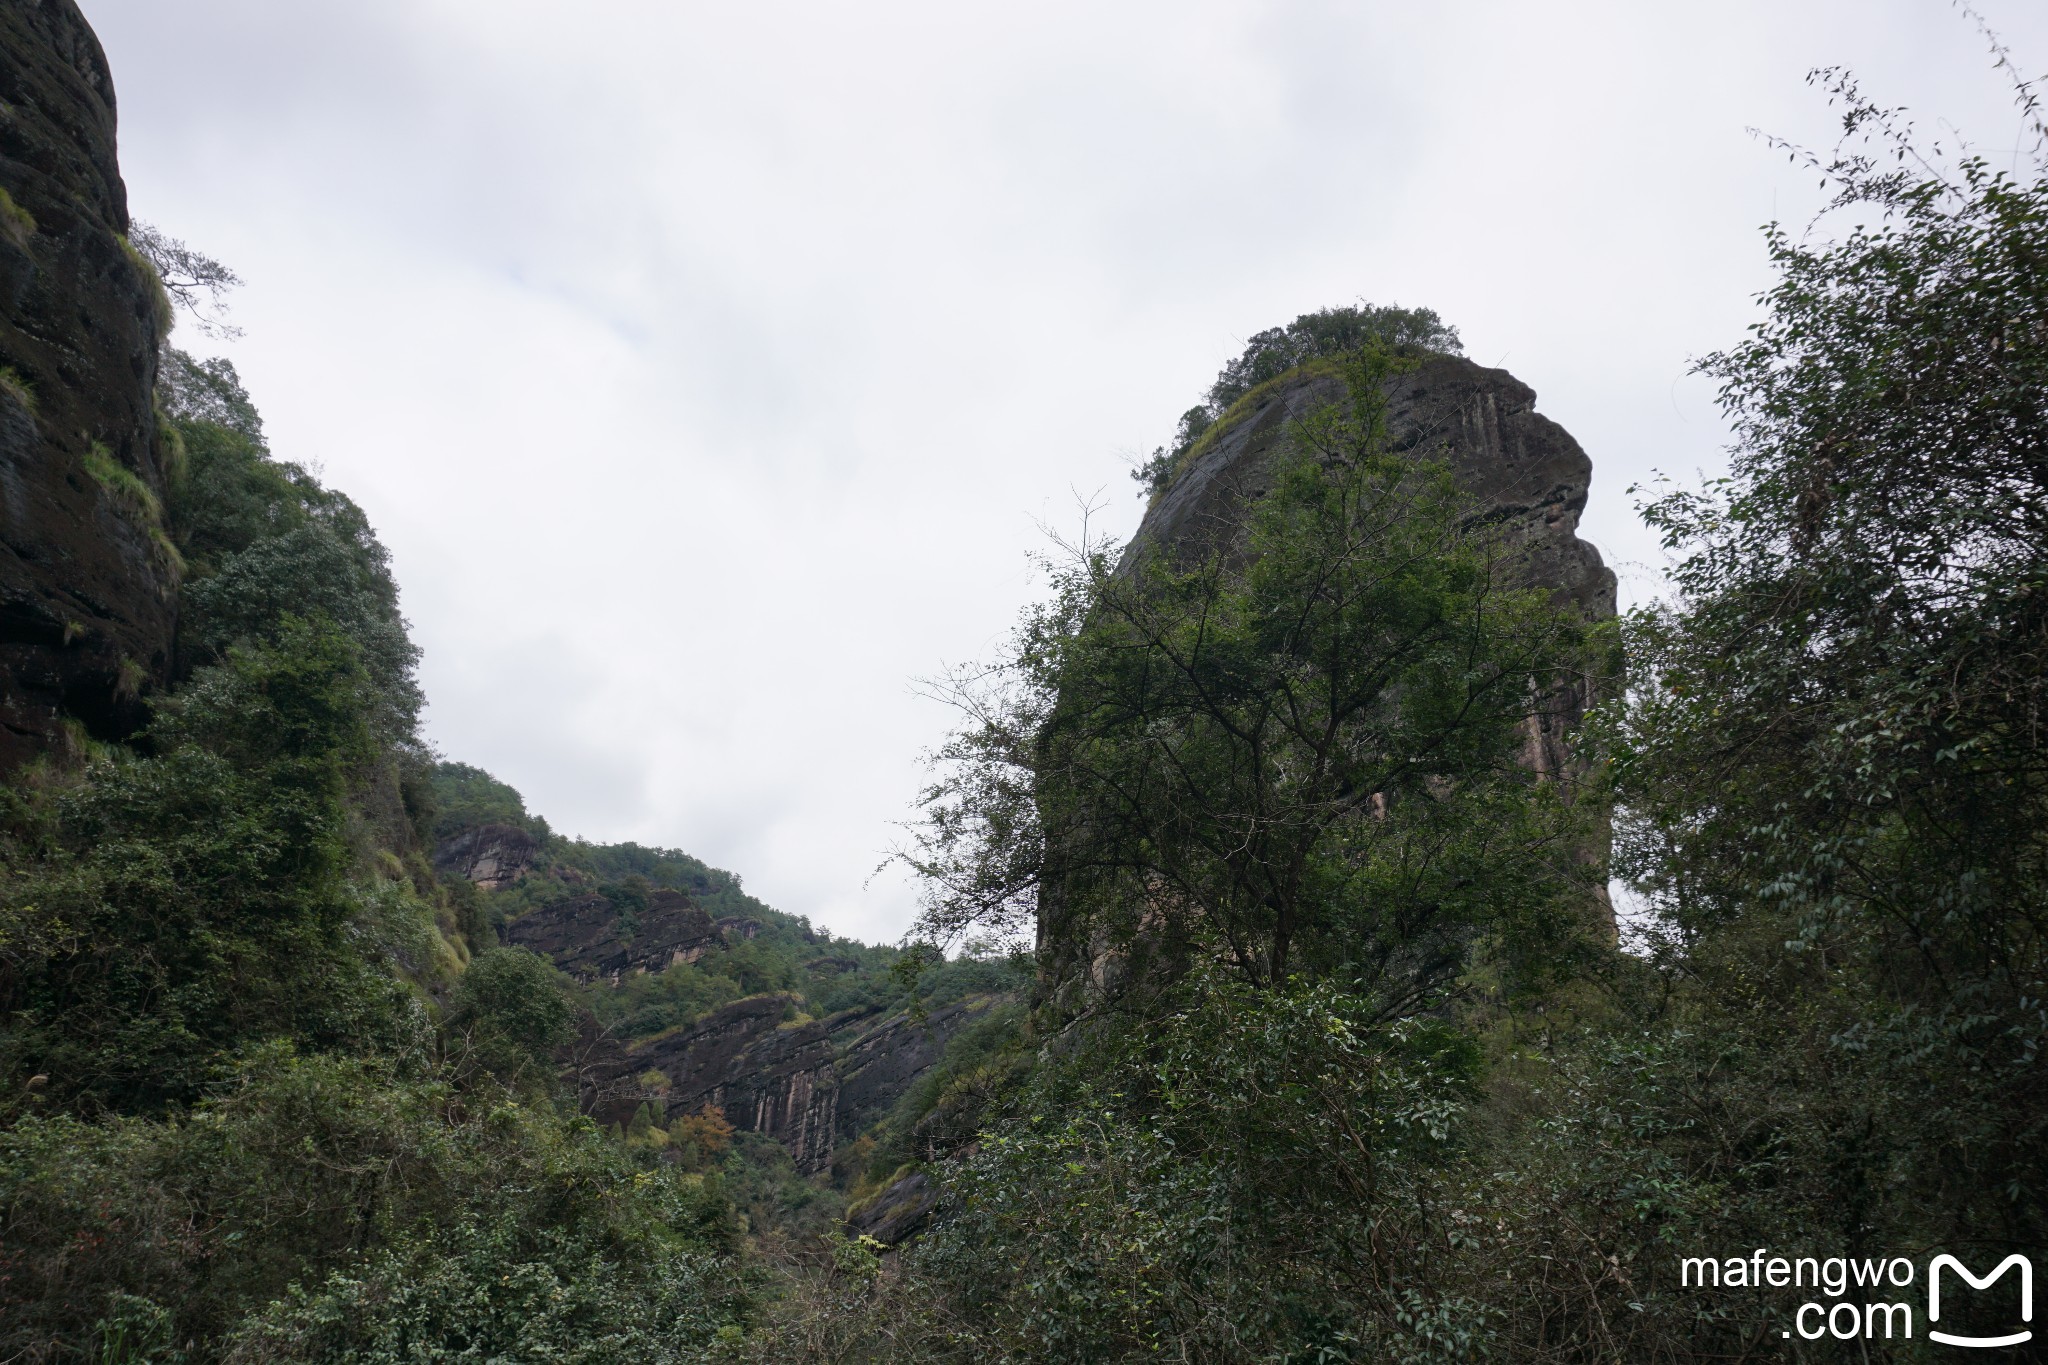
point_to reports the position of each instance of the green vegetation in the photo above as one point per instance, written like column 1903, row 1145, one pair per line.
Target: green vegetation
column 138, row 500
column 1275, row 354
column 1315, row 1077
column 324, row 1208
column 17, row 388
column 252, row 1107
column 465, row 797
column 1297, row 756
column 17, row 224
column 127, row 487
column 189, row 279
column 163, row 313
column 1329, row 332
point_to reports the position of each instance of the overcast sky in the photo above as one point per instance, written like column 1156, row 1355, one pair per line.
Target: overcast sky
column 711, row 370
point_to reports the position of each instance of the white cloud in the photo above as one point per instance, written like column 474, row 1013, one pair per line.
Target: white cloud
column 707, row 368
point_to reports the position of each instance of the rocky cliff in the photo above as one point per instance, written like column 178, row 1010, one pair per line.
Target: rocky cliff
column 810, row 1085
column 1524, row 472
column 492, row 856
column 87, row 580
column 588, row 938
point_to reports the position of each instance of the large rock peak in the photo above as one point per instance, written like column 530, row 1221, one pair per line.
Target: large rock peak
column 88, row 581
column 1525, row 469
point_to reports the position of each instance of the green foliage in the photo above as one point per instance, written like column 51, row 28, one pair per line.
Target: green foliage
column 946, row 1108
column 118, row 479
column 316, row 1208
column 308, row 571
column 166, row 911
column 265, row 542
column 1297, row 753
column 512, row 1013
column 1833, row 782
column 190, row 279
column 1327, row 334
column 1238, row 1178
column 466, row 796
column 1834, row 770
column 192, row 391
column 568, row 867
column 163, row 315
column 646, row 1004
column 229, row 1125
column 17, row 388
column 770, row 1194
column 17, row 224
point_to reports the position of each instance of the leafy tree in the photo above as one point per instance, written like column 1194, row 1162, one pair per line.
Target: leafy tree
column 1245, row 1178
column 263, row 541
column 1834, row 765
column 1328, row 332
column 191, row 390
column 229, row 1127
column 308, row 570
column 512, row 1014
column 326, row 1208
column 466, row 796
column 1297, row 752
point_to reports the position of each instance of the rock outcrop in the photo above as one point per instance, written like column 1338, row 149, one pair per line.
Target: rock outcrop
column 1524, row 471
column 589, row 938
column 811, row 1085
column 88, row 583
column 878, row 1064
column 898, row 1212
column 492, row 856
column 767, row 1078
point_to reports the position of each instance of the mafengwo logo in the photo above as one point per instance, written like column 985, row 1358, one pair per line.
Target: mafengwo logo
column 1873, row 1299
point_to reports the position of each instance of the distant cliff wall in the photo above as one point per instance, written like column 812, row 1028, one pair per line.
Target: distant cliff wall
column 811, row 1086
column 88, row 584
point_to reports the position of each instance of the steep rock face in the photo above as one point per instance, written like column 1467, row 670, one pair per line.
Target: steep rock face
column 810, row 1086
column 492, row 856
column 586, row 936
column 87, row 585
column 898, row 1213
column 767, row 1078
column 882, row 1062
column 1526, row 472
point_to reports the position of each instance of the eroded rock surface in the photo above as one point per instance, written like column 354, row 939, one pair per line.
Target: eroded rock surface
column 87, row 584
column 880, row 1063
column 587, row 937
column 898, row 1213
column 492, row 856
column 810, row 1085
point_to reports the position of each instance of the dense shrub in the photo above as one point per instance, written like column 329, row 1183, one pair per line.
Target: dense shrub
column 318, row 1208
